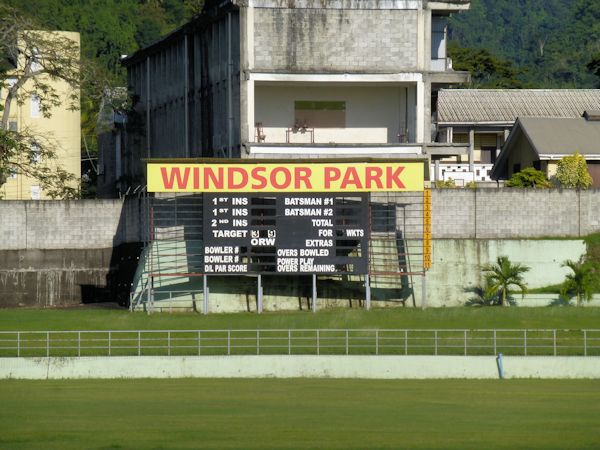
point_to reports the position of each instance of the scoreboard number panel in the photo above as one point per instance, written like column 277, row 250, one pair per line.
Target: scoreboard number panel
column 286, row 233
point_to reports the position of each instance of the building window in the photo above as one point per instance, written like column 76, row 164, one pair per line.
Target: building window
column 516, row 168
column 35, row 157
column 36, row 65
column 537, row 165
column 320, row 114
column 438, row 42
column 36, row 193
column 488, row 155
column 35, row 106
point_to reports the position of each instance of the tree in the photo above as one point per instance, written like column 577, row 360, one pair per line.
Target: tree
column 594, row 65
column 572, row 172
column 582, row 283
column 486, row 70
column 484, row 295
column 500, row 276
column 34, row 61
column 529, row 178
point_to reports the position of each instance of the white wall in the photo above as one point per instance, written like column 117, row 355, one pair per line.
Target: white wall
column 365, row 367
column 374, row 115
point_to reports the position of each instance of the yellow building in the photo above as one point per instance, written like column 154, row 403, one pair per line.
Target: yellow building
column 62, row 130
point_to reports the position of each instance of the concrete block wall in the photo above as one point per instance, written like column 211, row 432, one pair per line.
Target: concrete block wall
column 514, row 213
column 452, row 214
column 346, row 40
column 589, row 211
column 80, row 224
column 56, row 253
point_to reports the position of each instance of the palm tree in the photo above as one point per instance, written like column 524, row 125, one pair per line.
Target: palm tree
column 483, row 295
column 503, row 274
column 581, row 283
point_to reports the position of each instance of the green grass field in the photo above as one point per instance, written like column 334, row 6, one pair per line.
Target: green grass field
column 299, row 414
column 398, row 318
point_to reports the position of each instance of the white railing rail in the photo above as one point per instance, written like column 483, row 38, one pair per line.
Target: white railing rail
column 530, row 342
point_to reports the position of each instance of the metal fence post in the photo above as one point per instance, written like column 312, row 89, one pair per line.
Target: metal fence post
column 377, row 342
column 109, row 343
column 199, row 345
column 465, row 331
column 258, row 342
column 168, row 343
column 346, row 342
column 47, row 344
column 139, row 343
column 79, row 343
column 525, row 341
column 228, row 342
column 495, row 343
column 18, row 344
column 318, row 344
column 554, row 340
column 289, row 342
column 585, row 343
column 405, row 342
column 435, row 340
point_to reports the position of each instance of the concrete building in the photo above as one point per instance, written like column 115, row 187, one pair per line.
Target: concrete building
column 61, row 129
column 541, row 143
column 111, row 129
column 483, row 119
column 293, row 78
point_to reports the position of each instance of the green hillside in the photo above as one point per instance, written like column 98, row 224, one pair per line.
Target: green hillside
column 550, row 42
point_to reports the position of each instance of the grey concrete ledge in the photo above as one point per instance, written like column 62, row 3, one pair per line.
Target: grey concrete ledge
column 364, row 367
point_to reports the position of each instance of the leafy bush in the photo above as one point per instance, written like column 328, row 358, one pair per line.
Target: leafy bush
column 445, row 184
column 529, row 178
column 572, row 172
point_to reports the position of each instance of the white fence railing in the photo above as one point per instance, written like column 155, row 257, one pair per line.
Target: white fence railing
column 300, row 342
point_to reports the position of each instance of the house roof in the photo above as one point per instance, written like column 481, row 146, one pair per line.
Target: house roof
column 470, row 106
column 552, row 138
column 559, row 137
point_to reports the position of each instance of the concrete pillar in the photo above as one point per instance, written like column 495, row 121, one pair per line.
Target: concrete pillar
column 421, row 119
column 499, row 143
column 421, row 41
column 247, row 64
column 472, row 150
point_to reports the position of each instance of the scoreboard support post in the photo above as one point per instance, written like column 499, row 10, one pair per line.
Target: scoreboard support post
column 205, row 293
column 259, row 295
column 368, row 292
column 314, row 292
column 424, row 291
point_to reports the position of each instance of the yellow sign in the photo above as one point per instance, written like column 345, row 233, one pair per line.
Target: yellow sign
column 427, row 229
column 287, row 177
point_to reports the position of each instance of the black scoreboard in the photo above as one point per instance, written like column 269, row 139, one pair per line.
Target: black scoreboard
column 285, row 234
